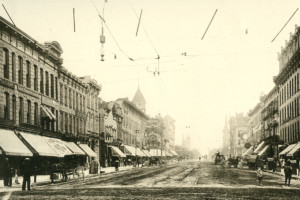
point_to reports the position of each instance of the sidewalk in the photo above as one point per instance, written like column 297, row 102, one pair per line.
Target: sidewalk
column 45, row 179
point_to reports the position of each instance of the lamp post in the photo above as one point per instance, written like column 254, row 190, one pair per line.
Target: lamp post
column 136, row 133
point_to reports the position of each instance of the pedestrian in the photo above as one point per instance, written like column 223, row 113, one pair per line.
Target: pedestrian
column 259, row 173
column 288, row 172
column 117, row 165
column 26, row 168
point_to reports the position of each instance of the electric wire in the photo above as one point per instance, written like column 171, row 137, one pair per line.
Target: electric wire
column 111, row 34
column 285, row 24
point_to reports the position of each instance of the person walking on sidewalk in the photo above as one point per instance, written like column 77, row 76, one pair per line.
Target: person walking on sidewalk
column 259, row 173
column 26, row 168
column 288, row 172
column 117, row 165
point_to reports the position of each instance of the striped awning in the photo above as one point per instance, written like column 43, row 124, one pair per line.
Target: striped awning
column 287, row 150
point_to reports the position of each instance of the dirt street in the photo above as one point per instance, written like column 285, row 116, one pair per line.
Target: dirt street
column 182, row 180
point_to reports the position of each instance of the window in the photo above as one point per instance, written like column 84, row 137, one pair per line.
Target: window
column 80, row 103
column 20, row 71
column 66, row 96
column 52, row 85
column 74, row 105
column 70, row 124
column 21, row 110
column 56, row 89
column 47, row 83
column 14, row 107
column 56, row 122
column 83, row 104
column 36, row 111
column 42, row 81
column 6, row 106
column 61, row 121
column 70, row 98
column 77, row 101
column 52, row 123
column 66, row 122
column 28, row 75
column 6, row 63
column 28, row 111
column 61, row 94
column 13, row 65
column 35, row 81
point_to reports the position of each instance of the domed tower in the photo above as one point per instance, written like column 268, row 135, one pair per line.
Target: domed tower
column 139, row 100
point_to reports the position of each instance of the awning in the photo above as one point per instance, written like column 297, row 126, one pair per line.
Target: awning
column 47, row 113
column 58, row 145
column 74, row 148
column 252, row 159
column 294, row 150
column 140, row 153
column 287, row 150
column 39, row 145
column 87, row 150
column 11, row 145
column 129, row 150
column 248, row 152
column 264, row 150
column 157, row 153
column 147, row 153
column 259, row 147
column 173, row 152
column 167, row 153
column 116, row 152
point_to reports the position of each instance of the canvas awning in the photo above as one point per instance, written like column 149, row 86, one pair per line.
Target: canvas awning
column 264, row 150
column 248, row 152
column 116, row 152
column 58, row 145
column 140, row 153
column 259, row 147
column 130, row 150
column 39, row 145
column 11, row 145
column 47, row 113
column 147, row 153
column 294, row 150
column 87, row 150
column 287, row 150
column 76, row 150
column 157, row 153
column 173, row 152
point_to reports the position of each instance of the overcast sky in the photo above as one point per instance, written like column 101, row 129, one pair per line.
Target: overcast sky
column 222, row 74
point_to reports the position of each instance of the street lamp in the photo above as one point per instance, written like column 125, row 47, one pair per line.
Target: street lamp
column 136, row 132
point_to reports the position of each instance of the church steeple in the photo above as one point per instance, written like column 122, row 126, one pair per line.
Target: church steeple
column 139, row 100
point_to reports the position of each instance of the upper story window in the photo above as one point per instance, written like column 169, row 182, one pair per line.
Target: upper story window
column 13, row 66
column 66, row 96
column 47, row 83
column 61, row 94
column 28, row 75
column 6, row 106
column 41, row 80
column 21, row 110
column 56, row 88
column 36, row 77
column 20, row 70
column 28, row 111
column 52, row 85
column 6, row 63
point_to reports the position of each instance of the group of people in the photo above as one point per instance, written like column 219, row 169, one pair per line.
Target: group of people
column 288, row 170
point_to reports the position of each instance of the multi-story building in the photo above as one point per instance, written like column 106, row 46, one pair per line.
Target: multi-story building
column 38, row 94
column 169, row 132
column 238, row 127
column 288, row 82
column 270, row 125
column 134, row 120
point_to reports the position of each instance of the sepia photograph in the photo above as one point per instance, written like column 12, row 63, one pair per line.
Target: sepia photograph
column 149, row 99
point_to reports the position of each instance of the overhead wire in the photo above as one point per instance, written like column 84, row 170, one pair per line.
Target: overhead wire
column 111, row 34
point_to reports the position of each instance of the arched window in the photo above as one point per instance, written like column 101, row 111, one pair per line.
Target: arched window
column 6, row 63
column 13, row 66
column 6, row 106
column 21, row 110
column 28, row 74
column 36, row 113
column 14, row 108
column 28, row 111
column 20, row 71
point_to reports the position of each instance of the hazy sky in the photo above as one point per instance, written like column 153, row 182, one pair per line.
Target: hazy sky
column 220, row 75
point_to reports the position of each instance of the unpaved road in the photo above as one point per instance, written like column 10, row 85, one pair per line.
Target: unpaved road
column 183, row 180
